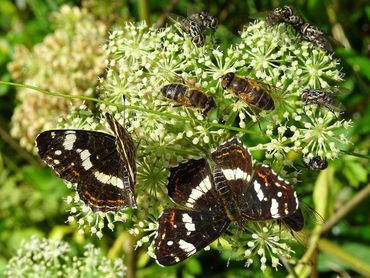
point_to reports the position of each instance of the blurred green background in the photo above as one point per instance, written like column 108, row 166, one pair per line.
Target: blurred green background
column 31, row 198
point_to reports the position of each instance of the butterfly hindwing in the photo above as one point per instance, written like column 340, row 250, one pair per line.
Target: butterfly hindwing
column 295, row 221
column 182, row 233
column 190, row 184
column 90, row 159
column 269, row 196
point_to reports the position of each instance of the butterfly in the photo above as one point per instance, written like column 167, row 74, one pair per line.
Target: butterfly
column 102, row 165
column 212, row 199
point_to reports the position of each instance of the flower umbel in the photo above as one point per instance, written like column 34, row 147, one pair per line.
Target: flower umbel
column 52, row 258
column 141, row 60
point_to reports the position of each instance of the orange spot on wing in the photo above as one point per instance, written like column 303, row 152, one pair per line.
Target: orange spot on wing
column 95, row 202
column 263, row 177
column 172, row 219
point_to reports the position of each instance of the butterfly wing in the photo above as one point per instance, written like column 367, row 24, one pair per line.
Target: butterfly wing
column 234, row 161
column 295, row 221
column 182, row 233
column 91, row 160
column 190, row 184
column 125, row 147
column 268, row 196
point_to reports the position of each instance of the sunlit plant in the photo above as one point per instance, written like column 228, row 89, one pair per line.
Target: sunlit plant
column 41, row 257
column 141, row 60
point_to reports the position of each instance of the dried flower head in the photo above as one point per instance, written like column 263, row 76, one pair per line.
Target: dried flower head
column 68, row 60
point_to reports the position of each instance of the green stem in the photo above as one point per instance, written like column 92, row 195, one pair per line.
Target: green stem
column 117, row 246
column 136, row 108
column 349, row 259
column 144, row 11
column 304, row 268
column 288, row 266
column 126, row 243
column 343, row 211
column 356, row 154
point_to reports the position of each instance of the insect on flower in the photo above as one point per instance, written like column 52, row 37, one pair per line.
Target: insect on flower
column 321, row 97
column 231, row 192
column 316, row 163
column 205, row 20
column 316, row 35
column 102, row 165
column 251, row 92
column 188, row 96
column 194, row 26
column 287, row 14
column 284, row 14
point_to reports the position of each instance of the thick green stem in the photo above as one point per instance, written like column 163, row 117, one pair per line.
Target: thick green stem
column 304, row 268
column 349, row 259
column 144, row 11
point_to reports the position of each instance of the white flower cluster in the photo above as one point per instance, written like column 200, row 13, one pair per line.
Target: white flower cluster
column 41, row 257
column 141, row 60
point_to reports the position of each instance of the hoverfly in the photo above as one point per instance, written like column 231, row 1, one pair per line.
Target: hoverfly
column 205, row 20
column 321, row 97
column 286, row 14
column 316, row 163
column 188, row 96
column 316, row 35
column 194, row 25
column 250, row 91
column 194, row 30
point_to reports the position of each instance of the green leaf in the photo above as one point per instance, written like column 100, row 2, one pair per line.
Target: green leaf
column 360, row 250
column 355, row 173
column 367, row 10
column 193, row 266
column 328, row 263
column 359, row 63
column 43, row 180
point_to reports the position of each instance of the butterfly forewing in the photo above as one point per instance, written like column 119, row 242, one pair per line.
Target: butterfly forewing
column 190, row 184
column 182, row 233
column 269, row 196
column 90, row 159
column 234, row 161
